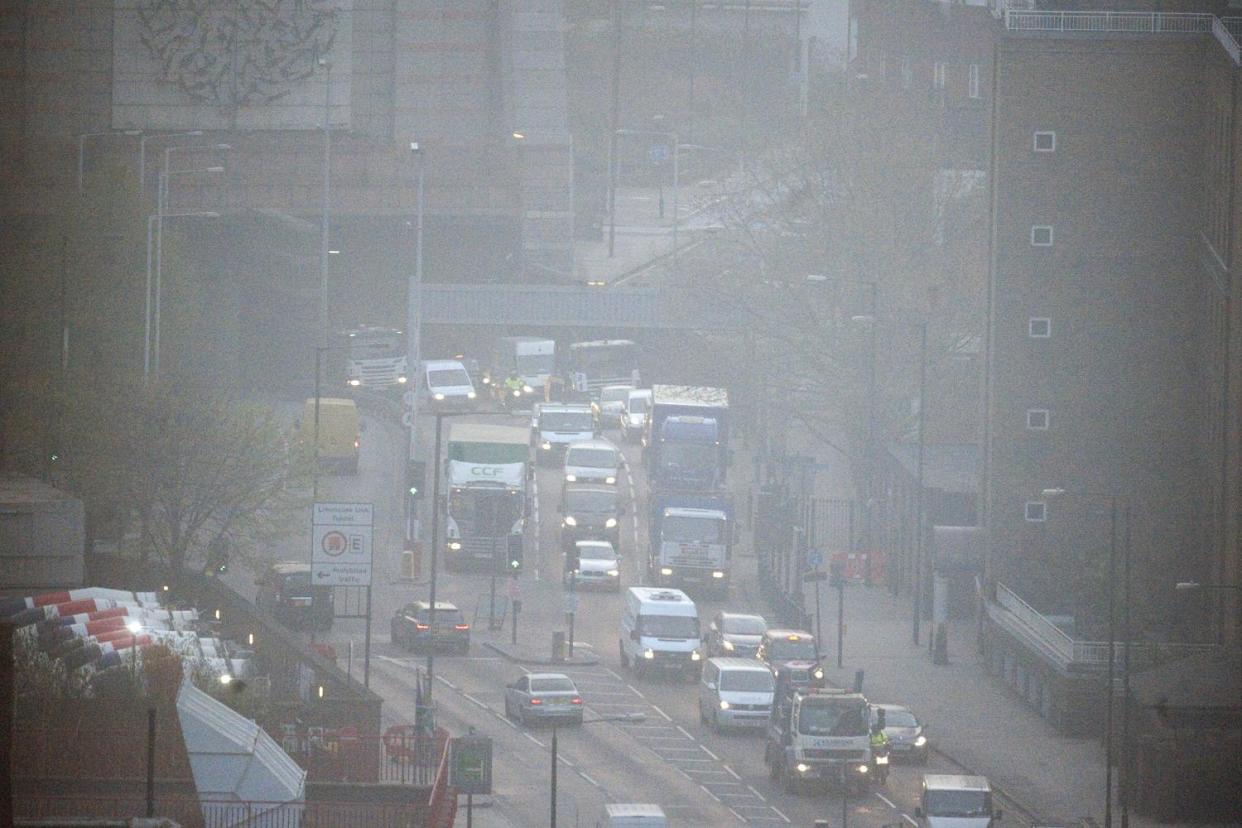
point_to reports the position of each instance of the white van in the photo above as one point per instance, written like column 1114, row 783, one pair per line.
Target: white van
column 660, row 631
column 446, row 384
column 633, row 815
column 955, row 801
column 735, row 692
column 592, row 461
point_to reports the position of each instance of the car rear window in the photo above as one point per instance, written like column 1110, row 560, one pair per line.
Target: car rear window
column 443, row 616
column 552, row 685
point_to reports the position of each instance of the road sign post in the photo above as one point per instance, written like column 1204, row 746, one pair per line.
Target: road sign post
column 341, row 535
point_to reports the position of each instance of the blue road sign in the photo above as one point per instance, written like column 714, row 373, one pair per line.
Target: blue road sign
column 815, row 558
column 658, row 153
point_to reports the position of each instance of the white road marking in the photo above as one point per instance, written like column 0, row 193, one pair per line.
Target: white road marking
column 615, row 675
column 533, row 739
column 885, row 800
column 733, row 773
column 471, row 698
column 709, row 753
column 779, row 814
column 685, row 732
column 667, row 717
column 736, row 814
column 709, row 793
column 638, row 693
column 910, row 820
column 564, row 761
column 588, row 779
column 445, row 681
column 762, row 798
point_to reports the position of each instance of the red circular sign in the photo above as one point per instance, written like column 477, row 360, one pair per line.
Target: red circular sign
column 333, row 544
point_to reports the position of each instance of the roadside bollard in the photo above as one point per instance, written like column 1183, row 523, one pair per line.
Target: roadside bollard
column 558, row 646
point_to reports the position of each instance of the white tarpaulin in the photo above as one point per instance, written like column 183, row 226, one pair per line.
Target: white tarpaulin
column 508, row 475
column 234, row 761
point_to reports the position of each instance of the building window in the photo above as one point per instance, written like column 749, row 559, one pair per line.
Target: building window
column 1037, row 419
column 938, row 69
column 1045, row 141
column 974, row 80
column 1036, row 511
column 1039, row 327
column 1041, row 235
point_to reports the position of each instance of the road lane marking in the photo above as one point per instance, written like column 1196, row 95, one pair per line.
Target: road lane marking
column 910, row 820
column 662, row 713
column 685, row 733
column 445, row 681
column 638, row 693
column 709, row 793
column 762, row 798
column 533, row 739
column 588, row 779
column 733, row 773
column 885, row 800
column 736, row 814
column 779, row 813
column 709, row 753
column 615, row 674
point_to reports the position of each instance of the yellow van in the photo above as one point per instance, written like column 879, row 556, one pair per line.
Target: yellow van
column 339, row 430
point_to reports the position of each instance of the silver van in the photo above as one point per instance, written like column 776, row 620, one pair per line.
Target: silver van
column 735, row 692
column 956, row 801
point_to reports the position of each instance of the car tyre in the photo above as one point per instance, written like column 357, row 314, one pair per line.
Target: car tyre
column 716, row 726
column 788, row 781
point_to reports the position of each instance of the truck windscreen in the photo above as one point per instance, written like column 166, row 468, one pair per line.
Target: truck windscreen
column 688, row 456
column 374, row 347
column 535, row 363
column 484, row 513
column 832, row 720
column 691, row 530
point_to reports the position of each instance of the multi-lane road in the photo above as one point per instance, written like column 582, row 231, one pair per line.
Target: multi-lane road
column 697, row 776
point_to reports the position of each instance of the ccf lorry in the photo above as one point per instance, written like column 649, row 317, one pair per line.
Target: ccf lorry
column 486, row 508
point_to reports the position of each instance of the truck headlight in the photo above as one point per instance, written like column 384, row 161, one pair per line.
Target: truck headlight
column 717, row 574
column 802, row 767
column 613, row 573
column 355, row 382
column 470, row 395
column 454, row 545
column 920, row 741
column 695, row 655
column 724, row 705
column 401, row 380
column 545, row 445
column 437, row 396
column 487, row 380
column 571, row 478
column 610, row 480
column 526, row 389
column 817, row 673
column 727, row 646
column 570, row 520
column 610, row 523
column 517, row 392
column 862, row 769
column 649, row 654
column 664, row 570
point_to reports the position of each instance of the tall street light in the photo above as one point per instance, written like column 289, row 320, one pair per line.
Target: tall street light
column 326, row 204
column 919, row 497
column 614, row 125
column 142, row 152
column 628, row 718
column 413, row 323
column 82, row 147
column 1115, row 501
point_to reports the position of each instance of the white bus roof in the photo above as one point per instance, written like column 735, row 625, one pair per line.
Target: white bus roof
column 689, row 395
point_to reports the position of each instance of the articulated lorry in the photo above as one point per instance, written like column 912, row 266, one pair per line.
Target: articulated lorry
column 486, row 508
column 818, row 738
column 691, row 540
column 686, row 440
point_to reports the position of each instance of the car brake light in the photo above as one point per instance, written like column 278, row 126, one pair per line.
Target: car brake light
column 536, row 701
column 576, row 700
column 462, row 627
column 421, row 627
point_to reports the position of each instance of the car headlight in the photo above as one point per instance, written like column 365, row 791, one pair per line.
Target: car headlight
column 610, row 523
column 920, row 741
column 727, row 646
column 487, row 380
column 545, row 445
column 818, row 673
column 517, row 392
column 613, row 573
column 717, row 574
column 664, row 570
column 802, row 767
column 470, row 395
column 863, row 769
column 695, row 655
column 648, row 654
column 571, row 478
column 610, row 480
column 454, row 545
column 401, row 380
column 437, row 396
column 570, row 520
column 355, row 382
column 724, row 705
column 526, row 389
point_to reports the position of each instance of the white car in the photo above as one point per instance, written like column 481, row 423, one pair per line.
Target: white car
column 592, row 461
column 612, row 404
column 637, row 404
column 599, row 566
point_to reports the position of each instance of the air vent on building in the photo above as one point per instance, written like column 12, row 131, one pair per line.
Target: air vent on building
column 1037, row 419
column 1036, row 511
column 1045, row 141
column 1039, row 327
column 1041, row 235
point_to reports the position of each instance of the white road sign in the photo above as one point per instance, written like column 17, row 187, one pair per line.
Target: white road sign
column 341, row 544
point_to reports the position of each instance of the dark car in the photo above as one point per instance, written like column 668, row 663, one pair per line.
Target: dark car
column 411, row 627
column 285, row 590
column 590, row 511
column 793, row 657
column 907, row 737
column 734, row 634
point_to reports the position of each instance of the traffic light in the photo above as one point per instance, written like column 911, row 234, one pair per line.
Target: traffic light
column 515, row 553
column 836, row 572
column 415, row 478
column 573, row 558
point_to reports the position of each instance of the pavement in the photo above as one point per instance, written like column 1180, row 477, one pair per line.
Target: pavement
column 523, row 653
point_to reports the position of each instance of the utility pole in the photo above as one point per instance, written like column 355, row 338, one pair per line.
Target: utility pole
column 918, row 521
column 326, row 205
column 614, row 126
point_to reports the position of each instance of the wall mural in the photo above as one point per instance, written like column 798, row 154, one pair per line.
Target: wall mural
column 237, row 54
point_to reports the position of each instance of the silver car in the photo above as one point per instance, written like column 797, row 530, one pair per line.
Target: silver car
column 612, row 404
column 907, row 736
column 543, row 696
column 735, row 634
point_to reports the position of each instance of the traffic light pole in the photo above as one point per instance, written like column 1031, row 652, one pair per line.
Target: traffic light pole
column 435, row 554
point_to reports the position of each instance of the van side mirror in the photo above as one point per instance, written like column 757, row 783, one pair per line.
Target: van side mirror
column 711, row 685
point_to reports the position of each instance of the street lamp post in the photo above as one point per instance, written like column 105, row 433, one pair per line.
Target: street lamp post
column 413, row 320
column 1114, row 501
column 142, row 152
column 326, row 205
column 918, row 510
column 629, row 718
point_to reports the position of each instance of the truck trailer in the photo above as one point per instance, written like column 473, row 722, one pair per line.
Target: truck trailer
column 686, row 441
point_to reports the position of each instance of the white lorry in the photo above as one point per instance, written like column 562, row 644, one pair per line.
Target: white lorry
column 376, row 360
column 486, row 508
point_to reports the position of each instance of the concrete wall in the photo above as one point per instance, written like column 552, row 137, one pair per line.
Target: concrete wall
column 41, row 536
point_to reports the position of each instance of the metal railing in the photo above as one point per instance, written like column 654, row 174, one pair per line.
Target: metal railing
column 1055, row 642
column 192, row 813
column 1227, row 37
column 1108, row 22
